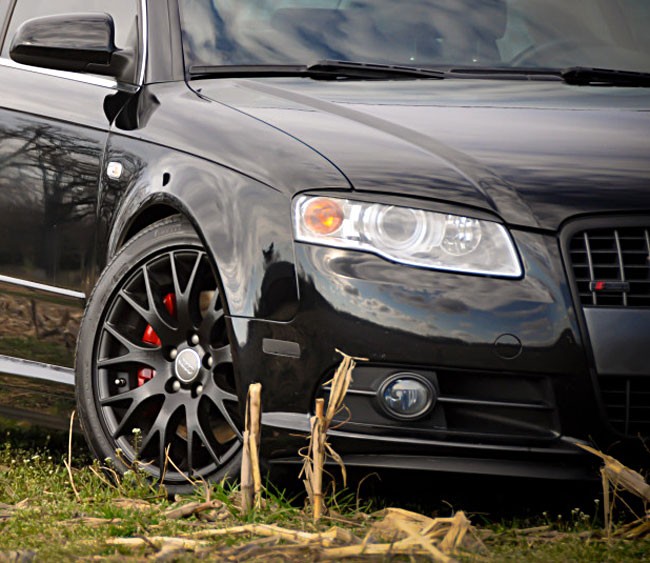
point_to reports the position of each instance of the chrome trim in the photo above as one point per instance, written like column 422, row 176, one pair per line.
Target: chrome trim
column 76, row 77
column 299, row 422
column 498, row 404
column 43, row 287
column 144, row 14
column 36, row 370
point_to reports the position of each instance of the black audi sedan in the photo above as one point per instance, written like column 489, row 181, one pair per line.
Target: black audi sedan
column 200, row 194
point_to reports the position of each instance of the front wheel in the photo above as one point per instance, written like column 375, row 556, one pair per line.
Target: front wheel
column 155, row 380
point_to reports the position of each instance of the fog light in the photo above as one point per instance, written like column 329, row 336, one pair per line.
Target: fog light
column 407, row 395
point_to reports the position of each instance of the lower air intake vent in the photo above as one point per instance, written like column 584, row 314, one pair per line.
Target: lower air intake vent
column 627, row 400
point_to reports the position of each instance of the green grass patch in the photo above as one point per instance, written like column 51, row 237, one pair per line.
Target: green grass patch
column 42, row 517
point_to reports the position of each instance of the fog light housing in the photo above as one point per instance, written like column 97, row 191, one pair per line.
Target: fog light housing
column 407, row 396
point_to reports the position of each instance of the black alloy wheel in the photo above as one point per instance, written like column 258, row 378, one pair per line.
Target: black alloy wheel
column 155, row 377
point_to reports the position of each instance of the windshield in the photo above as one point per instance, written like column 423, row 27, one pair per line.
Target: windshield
column 441, row 33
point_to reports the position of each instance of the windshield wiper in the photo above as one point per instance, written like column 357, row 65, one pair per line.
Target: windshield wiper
column 349, row 69
column 575, row 76
column 503, row 73
column 585, row 76
column 322, row 70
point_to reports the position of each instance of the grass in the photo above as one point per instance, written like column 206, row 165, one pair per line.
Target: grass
column 36, row 349
column 570, row 548
column 42, row 519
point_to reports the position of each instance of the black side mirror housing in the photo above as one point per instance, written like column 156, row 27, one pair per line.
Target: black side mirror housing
column 80, row 42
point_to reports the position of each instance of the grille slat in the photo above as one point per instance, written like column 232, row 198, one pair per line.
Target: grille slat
column 612, row 255
column 627, row 401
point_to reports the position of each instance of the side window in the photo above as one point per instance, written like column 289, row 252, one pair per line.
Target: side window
column 124, row 14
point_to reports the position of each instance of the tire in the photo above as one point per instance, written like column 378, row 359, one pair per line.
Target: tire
column 154, row 370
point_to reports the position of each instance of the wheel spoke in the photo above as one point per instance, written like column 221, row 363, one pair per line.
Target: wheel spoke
column 194, row 427
column 137, row 395
column 212, row 316
column 159, row 428
column 190, row 451
column 162, row 449
column 126, row 419
column 226, row 396
column 213, row 300
column 218, row 393
column 221, row 355
column 177, row 283
column 145, row 357
column 192, row 279
column 183, row 304
column 123, row 340
column 217, row 396
column 152, row 316
column 135, row 353
column 148, row 438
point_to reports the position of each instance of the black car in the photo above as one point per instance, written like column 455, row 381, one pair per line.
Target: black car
column 200, row 194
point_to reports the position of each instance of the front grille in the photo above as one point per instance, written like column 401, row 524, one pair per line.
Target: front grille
column 627, row 401
column 611, row 266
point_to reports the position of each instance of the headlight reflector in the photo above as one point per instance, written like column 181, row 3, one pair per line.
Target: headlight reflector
column 407, row 235
column 462, row 235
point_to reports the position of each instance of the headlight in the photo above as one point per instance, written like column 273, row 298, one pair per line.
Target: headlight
column 409, row 236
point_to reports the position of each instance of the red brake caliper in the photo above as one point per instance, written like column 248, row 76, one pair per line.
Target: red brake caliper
column 150, row 337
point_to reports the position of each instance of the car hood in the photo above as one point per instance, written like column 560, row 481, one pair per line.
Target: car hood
column 534, row 153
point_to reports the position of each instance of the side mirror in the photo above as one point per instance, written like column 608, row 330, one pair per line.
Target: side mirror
column 72, row 42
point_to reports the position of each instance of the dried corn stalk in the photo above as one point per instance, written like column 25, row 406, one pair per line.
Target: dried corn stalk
column 399, row 532
column 319, row 449
column 616, row 476
column 438, row 538
column 251, row 478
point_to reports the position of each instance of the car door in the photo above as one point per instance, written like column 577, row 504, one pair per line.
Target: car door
column 4, row 7
column 53, row 131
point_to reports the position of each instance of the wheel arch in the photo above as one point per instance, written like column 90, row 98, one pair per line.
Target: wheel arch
column 140, row 208
column 244, row 224
column 145, row 217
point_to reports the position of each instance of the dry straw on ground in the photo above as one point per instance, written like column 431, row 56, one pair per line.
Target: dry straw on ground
column 251, row 477
column 396, row 532
column 617, row 478
column 319, row 448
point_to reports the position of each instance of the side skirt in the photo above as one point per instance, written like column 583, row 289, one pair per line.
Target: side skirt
column 37, row 393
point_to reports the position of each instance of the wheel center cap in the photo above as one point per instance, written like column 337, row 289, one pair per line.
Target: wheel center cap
column 187, row 365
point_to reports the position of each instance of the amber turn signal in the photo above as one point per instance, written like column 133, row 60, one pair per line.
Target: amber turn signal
column 323, row 216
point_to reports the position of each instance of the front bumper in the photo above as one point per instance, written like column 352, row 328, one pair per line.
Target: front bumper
column 506, row 357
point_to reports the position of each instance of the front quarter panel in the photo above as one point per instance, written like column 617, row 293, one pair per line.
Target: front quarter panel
column 242, row 222
column 230, row 174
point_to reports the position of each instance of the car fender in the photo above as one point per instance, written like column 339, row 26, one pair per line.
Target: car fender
column 244, row 223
